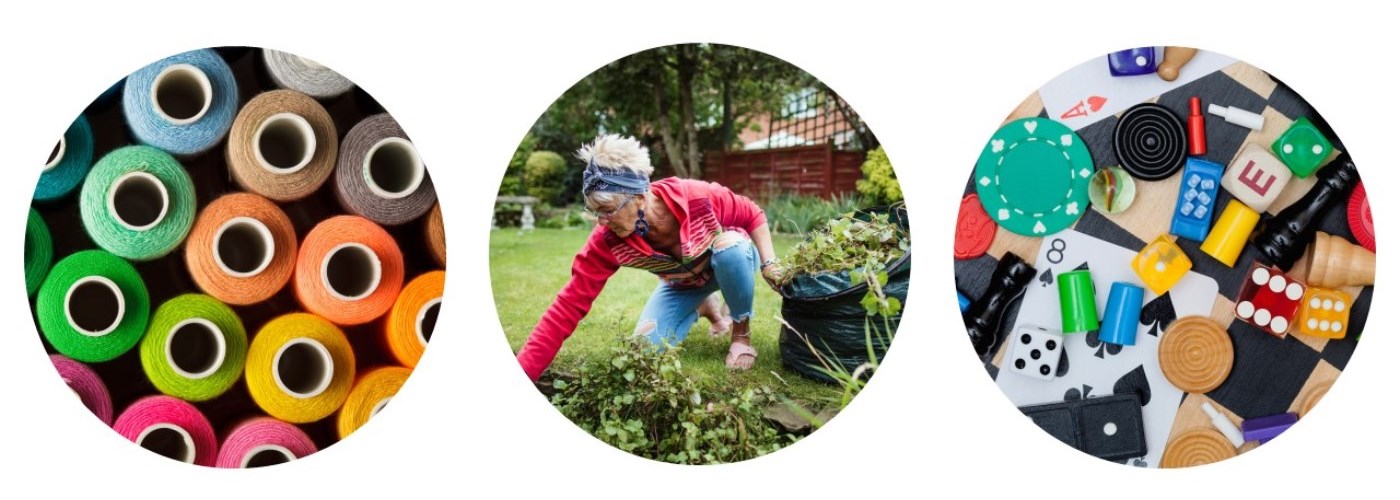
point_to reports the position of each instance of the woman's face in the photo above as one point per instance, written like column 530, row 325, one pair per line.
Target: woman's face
column 620, row 218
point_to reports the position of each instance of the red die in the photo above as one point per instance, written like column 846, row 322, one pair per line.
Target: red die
column 1268, row 299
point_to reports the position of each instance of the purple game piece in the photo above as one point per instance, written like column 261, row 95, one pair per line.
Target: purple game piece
column 1265, row 428
column 1138, row 61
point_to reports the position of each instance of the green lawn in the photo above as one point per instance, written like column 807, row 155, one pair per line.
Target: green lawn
column 528, row 269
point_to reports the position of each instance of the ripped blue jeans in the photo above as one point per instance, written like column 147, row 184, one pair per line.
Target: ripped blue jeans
column 670, row 312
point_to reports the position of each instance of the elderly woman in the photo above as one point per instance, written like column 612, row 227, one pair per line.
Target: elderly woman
column 697, row 236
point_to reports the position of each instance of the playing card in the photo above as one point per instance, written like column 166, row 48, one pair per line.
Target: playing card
column 1097, row 368
column 1087, row 93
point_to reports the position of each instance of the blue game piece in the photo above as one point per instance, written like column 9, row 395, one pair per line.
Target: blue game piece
column 1200, row 183
column 1131, row 62
column 963, row 302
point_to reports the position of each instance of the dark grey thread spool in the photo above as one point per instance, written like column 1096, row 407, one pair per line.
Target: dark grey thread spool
column 379, row 175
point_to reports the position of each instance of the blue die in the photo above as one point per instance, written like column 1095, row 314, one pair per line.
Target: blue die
column 1138, row 61
column 1200, row 185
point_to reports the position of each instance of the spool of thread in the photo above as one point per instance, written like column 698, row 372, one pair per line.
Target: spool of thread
column 411, row 321
column 437, row 238
column 304, row 75
column 183, row 104
column 93, row 306
column 300, row 368
column 349, row 270
column 1230, row 233
column 38, row 251
column 86, row 384
column 1078, row 313
column 171, row 428
column 242, row 249
column 1120, row 317
column 195, row 348
column 380, row 176
column 372, row 392
column 138, row 203
column 68, row 164
column 263, row 441
column 283, row 145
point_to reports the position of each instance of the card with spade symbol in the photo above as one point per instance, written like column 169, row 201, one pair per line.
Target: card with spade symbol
column 1091, row 368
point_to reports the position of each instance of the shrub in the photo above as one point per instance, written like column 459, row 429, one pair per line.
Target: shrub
column 513, row 183
column 544, row 177
column 788, row 213
column 879, row 183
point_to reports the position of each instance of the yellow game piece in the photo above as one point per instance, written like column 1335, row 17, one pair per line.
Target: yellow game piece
column 1161, row 264
column 1324, row 313
column 1230, row 233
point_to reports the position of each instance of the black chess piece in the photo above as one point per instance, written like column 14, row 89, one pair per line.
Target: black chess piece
column 983, row 317
column 1283, row 238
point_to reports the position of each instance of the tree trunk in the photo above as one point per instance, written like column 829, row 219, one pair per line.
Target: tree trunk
column 663, row 116
column 685, row 79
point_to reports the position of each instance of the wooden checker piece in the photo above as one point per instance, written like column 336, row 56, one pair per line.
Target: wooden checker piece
column 1196, row 354
column 1198, row 446
column 1311, row 396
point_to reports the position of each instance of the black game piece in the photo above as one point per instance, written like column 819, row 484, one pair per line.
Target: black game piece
column 1108, row 427
column 1150, row 141
column 1283, row 238
column 983, row 317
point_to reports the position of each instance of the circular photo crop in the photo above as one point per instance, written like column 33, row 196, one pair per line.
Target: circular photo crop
column 234, row 257
column 1164, row 257
column 700, row 253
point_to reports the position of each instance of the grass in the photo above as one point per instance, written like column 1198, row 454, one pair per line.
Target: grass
column 529, row 269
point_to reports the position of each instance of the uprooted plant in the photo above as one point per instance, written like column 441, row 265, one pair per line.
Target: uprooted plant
column 861, row 247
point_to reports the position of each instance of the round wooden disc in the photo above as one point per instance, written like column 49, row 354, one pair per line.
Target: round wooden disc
column 1311, row 397
column 1197, row 447
column 1196, row 354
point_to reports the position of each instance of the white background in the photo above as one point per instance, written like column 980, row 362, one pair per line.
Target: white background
column 467, row 82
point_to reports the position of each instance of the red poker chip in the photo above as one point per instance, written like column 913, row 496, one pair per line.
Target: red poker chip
column 1359, row 218
column 975, row 229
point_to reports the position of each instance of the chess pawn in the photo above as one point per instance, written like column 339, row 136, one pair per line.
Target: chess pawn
column 1334, row 262
column 1285, row 237
column 1173, row 58
column 983, row 317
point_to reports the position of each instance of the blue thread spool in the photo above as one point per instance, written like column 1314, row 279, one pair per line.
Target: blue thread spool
column 71, row 159
column 183, row 104
column 1120, row 318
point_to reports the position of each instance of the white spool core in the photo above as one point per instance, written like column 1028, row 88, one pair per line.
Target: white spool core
column 138, row 201
column 266, row 454
column 430, row 307
column 351, row 271
column 247, row 251
column 380, row 406
column 168, row 440
column 392, row 168
column 284, row 143
column 195, row 348
column 303, row 368
column 181, row 94
column 96, row 297
column 56, row 156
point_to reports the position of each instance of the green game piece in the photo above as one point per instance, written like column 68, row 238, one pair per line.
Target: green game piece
column 1033, row 177
column 1078, row 313
column 1302, row 147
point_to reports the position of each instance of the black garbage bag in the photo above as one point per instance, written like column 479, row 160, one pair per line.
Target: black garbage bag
column 826, row 323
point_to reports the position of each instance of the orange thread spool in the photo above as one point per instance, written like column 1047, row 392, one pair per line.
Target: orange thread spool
column 437, row 238
column 283, row 145
column 349, row 270
column 242, row 249
column 411, row 321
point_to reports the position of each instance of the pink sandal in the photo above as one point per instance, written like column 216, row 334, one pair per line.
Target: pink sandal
column 735, row 352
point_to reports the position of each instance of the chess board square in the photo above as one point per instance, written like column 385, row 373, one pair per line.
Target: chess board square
column 1223, row 139
column 1267, row 374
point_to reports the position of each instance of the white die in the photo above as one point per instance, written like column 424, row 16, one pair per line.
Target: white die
column 1256, row 178
column 1035, row 352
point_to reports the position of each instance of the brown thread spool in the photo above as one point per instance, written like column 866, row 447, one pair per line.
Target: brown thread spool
column 411, row 322
column 242, row 249
column 1197, row 447
column 379, row 175
column 283, row 145
column 437, row 238
column 349, row 270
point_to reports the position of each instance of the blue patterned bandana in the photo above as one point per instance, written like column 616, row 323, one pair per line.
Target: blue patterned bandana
column 613, row 180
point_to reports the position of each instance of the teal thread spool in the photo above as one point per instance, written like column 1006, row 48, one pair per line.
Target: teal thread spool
column 93, row 306
column 38, row 252
column 1078, row 313
column 69, row 163
column 194, row 348
column 138, row 203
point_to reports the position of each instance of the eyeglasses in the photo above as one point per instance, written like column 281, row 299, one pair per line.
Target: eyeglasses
column 607, row 214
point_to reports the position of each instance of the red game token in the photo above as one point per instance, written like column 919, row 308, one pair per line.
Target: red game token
column 1359, row 217
column 974, row 231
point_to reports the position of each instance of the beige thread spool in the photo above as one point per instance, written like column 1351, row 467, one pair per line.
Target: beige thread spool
column 283, row 145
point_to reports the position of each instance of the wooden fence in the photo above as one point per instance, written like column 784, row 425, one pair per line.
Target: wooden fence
column 805, row 170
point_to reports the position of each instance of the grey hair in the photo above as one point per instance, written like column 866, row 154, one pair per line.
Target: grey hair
column 618, row 152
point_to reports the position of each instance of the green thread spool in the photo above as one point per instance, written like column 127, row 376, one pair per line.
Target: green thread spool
column 1078, row 313
column 194, row 348
column 93, row 306
column 38, row 252
column 138, row 202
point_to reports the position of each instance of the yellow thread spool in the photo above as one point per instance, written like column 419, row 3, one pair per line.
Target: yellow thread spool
column 300, row 368
column 372, row 392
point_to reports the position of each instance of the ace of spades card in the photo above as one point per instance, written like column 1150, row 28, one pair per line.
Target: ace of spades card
column 1089, row 367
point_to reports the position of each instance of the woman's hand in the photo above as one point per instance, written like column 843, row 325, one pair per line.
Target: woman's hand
column 770, row 274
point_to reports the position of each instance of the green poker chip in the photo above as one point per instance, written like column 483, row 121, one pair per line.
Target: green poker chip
column 1033, row 177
